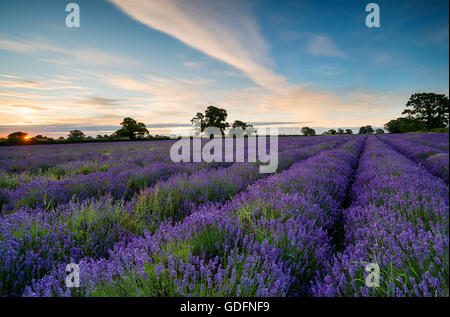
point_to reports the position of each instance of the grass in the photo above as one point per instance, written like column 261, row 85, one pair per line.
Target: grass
column 101, row 227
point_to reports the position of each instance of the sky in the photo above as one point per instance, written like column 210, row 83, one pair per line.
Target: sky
column 287, row 64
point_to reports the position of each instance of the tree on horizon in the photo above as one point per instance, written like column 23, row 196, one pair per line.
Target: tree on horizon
column 131, row 128
column 76, row 135
column 213, row 117
column 366, row 130
column 307, row 131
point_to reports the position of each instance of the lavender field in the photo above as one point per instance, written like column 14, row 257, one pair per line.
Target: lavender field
column 138, row 224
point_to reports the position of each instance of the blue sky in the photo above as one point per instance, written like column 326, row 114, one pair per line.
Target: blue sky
column 301, row 62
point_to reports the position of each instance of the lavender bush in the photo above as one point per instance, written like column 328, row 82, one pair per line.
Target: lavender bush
column 399, row 220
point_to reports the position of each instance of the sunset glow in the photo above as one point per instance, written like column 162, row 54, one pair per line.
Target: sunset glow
column 298, row 63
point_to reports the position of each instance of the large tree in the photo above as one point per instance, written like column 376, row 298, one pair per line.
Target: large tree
column 430, row 109
column 76, row 135
column 213, row 117
column 131, row 128
column 308, row 131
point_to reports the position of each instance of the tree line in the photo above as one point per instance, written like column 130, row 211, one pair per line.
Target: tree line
column 307, row 131
column 130, row 130
column 424, row 112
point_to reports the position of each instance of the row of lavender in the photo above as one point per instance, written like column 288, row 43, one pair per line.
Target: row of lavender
column 398, row 220
column 62, row 160
column 20, row 166
column 268, row 241
column 437, row 140
column 122, row 181
column 59, row 161
column 427, row 152
column 33, row 241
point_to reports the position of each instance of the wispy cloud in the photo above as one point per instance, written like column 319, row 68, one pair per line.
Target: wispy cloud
column 329, row 70
column 192, row 64
column 9, row 76
column 315, row 44
column 81, row 55
column 38, row 85
column 231, row 36
column 34, row 107
column 322, row 45
column 215, row 28
column 101, row 101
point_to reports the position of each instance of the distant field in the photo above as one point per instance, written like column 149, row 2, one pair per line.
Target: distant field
column 138, row 224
